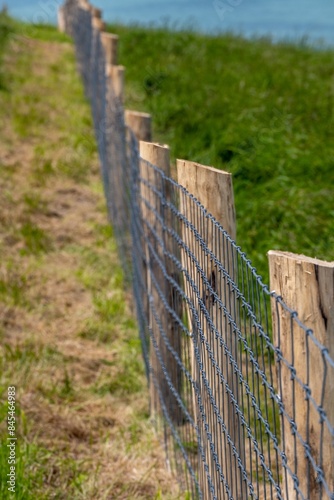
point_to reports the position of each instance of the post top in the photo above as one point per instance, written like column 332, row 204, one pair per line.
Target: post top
column 110, row 36
column 302, row 258
column 199, row 165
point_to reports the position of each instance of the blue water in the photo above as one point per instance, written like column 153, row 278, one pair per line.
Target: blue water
column 282, row 19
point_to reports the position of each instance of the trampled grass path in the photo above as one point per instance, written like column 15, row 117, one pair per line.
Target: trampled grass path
column 68, row 339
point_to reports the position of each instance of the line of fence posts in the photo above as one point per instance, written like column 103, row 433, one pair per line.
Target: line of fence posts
column 306, row 285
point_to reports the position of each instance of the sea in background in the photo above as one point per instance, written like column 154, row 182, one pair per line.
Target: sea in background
column 312, row 20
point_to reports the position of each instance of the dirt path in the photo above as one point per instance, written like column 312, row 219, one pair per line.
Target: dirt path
column 68, row 340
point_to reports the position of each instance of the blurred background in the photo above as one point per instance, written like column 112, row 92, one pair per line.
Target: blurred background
column 281, row 19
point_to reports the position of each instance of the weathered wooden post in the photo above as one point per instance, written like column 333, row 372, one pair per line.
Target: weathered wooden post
column 150, row 206
column 61, row 19
column 140, row 124
column 113, row 124
column 213, row 189
column 139, row 128
column 307, row 286
column 116, row 74
column 97, row 21
column 110, row 45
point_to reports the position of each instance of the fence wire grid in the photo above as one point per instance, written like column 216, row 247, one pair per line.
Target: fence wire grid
column 215, row 368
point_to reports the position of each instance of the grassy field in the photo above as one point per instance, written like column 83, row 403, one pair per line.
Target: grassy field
column 68, row 339
column 262, row 111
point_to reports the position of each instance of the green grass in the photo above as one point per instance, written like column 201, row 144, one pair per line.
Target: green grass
column 127, row 381
column 13, row 286
column 260, row 110
column 28, row 476
column 111, row 322
column 31, row 464
column 29, row 456
column 36, row 240
column 34, row 203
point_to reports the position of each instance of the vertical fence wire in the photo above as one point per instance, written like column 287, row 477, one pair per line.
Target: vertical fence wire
column 204, row 320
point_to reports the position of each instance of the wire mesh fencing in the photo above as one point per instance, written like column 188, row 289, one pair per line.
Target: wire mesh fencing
column 241, row 388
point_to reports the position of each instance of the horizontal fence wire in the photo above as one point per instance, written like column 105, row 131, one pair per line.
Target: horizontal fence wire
column 213, row 356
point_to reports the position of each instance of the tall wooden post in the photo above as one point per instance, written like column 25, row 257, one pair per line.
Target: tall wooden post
column 114, row 124
column 159, row 156
column 139, row 128
column 84, row 4
column 213, row 189
column 306, row 286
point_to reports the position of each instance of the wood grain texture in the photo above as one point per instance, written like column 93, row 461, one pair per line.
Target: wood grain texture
column 307, row 287
column 213, row 189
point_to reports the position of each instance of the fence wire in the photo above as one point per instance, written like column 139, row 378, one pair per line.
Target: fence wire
column 217, row 374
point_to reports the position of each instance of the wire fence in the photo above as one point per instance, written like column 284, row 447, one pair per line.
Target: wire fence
column 230, row 365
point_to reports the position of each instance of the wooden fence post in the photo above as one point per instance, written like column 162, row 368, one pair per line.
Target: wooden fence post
column 98, row 24
column 140, row 124
column 61, row 20
column 95, row 12
column 110, row 45
column 114, row 124
column 116, row 74
column 307, row 287
column 159, row 156
column 213, row 189
column 85, row 5
column 97, row 21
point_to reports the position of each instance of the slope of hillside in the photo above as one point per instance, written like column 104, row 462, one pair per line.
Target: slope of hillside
column 68, row 341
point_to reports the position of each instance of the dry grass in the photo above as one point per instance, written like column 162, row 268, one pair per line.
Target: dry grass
column 68, row 340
